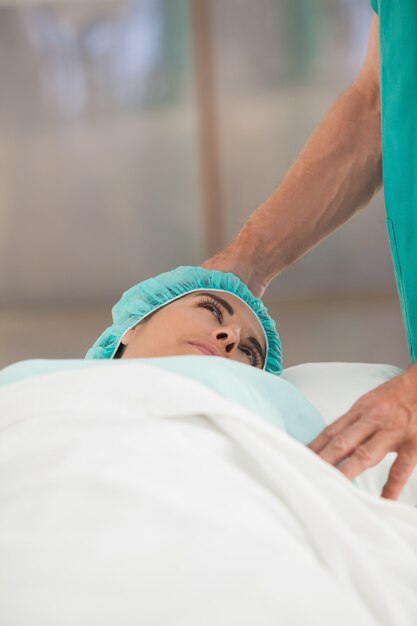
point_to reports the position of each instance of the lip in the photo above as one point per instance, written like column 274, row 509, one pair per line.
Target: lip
column 205, row 348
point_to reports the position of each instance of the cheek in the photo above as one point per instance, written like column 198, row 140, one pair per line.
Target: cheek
column 173, row 327
column 170, row 326
column 197, row 320
column 186, row 323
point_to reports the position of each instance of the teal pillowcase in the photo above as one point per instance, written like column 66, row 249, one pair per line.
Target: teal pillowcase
column 267, row 395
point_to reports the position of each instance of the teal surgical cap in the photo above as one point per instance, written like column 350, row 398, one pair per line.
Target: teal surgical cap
column 152, row 294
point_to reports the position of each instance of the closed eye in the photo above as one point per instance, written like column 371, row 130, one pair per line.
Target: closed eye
column 254, row 356
column 212, row 305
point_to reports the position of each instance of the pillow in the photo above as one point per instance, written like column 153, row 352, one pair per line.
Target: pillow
column 332, row 388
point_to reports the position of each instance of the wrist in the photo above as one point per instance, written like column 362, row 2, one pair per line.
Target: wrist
column 257, row 247
column 248, row 256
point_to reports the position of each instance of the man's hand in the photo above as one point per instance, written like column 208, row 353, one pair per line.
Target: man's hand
column 383, row 420
column 229, row 261
column 345, row 152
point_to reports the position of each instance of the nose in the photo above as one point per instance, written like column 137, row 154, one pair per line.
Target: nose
column 229, row 339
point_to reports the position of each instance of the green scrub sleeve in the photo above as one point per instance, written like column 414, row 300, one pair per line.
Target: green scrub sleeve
column 374, row 5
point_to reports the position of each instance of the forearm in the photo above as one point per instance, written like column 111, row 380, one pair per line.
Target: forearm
column 337, row 173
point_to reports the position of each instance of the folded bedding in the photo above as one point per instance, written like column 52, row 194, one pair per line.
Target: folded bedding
column 135, row 494
column 251, row 387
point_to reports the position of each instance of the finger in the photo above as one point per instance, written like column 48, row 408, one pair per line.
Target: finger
column 368, row 454
column 332, row 430
column 400, row 472
column 348, row 440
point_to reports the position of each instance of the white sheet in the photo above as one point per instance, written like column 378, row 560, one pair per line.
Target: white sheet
column 332, row 388
column 134, row 496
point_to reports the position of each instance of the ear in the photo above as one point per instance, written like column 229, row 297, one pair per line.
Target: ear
column 127, row 337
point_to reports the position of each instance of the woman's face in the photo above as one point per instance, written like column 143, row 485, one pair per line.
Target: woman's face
column 204, row 322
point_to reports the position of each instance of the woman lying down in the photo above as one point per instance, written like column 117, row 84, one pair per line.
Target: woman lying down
column 149, row 484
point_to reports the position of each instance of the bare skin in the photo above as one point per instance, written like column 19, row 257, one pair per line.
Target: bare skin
column 383, row 420
column 200, row 324
column 335, row 175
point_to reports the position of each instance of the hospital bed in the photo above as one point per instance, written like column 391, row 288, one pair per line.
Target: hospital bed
column 131, row 494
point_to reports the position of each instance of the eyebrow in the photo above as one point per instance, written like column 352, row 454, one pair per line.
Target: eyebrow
column 255, row 343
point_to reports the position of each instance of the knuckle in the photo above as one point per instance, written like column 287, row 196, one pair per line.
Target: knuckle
column 402, row 418
column 372, row 417
column 408, row 457
column 340, row 443
column 331, row 431
column 363, row 453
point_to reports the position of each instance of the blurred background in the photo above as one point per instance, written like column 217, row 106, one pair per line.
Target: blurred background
column 139, row 135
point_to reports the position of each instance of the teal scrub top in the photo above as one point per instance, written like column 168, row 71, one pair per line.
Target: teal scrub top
column 398, row 58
